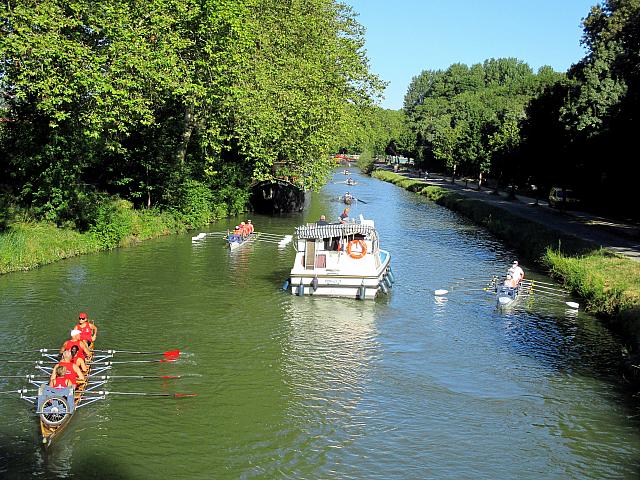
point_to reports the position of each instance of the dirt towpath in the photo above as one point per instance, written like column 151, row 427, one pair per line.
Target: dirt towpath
column 620, row 237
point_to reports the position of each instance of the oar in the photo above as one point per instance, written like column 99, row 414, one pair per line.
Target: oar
column 7, row 392
column 41, row 350
column 362, row 201
column 102, row 362
column 144, row 394
column 133, row 377
column 168, row 354
column 573, row 305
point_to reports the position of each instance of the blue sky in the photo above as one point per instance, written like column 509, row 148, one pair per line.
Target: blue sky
column 405, row 37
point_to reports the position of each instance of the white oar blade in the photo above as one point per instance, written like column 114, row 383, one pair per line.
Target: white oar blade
column 440, row 292
column 573, row 305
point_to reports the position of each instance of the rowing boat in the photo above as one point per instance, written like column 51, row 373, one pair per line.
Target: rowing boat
column 56, row 406
column 506, row 296
column 236, row 241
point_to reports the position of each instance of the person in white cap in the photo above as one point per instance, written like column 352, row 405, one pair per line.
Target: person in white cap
column 83, row 350
column 516, row 272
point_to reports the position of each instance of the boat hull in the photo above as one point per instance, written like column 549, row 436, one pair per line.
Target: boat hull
column 47, row 431
column 328, row 284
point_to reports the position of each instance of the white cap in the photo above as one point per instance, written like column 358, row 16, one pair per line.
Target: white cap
column 75, row 332
column 515, row 262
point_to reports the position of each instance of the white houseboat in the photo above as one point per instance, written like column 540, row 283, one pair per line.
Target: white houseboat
column 340, row 260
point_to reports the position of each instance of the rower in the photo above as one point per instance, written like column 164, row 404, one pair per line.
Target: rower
column 243, row 229
column 344, row 216
column 516, row 272
column 510, row 281
column 78, row 359
column 75, row 340
column 88, row 330
column 249, row 226
column 60, row 381
column 236, row 236
column 73, row 371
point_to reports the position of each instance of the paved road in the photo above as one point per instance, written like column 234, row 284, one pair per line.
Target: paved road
column 620, row 237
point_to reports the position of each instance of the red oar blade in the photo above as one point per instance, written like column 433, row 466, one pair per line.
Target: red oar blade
column 172, row 354
column 180, row 395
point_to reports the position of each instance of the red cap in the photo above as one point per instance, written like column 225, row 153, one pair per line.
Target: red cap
column 82, row 315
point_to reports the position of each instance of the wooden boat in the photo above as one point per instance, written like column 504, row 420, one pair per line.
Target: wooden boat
column 56, row 407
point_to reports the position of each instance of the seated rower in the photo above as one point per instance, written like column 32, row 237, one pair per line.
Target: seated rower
column 84, row 349
column 344, row 216
column 250, row 226
column 236, row 235
column 516, row 272
column 243, row 229
column 73, row 372
column 88, row 330
column 78, row 359
column 510, row 281
column 60, row 381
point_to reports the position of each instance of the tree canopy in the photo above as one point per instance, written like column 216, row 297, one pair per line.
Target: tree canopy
column 140, row 99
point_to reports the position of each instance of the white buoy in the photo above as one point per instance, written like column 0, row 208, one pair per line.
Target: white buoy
column 573, row 305
column 441, row 292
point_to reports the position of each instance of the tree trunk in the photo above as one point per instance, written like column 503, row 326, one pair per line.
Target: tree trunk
column 480, row 182
column 453, row 175
column 187, row 128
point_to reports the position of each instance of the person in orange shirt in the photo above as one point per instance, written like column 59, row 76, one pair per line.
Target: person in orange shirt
column 249, row 226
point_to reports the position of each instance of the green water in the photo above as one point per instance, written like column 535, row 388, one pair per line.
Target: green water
column 404, row 387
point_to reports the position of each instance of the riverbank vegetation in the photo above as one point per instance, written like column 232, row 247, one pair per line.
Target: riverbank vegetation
column 175, row 107
column 535, row 130
column 609, row 283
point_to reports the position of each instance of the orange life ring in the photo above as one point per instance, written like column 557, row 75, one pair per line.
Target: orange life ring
column 357, row 255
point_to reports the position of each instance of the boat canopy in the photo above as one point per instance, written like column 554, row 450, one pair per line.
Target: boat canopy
column 311, row 232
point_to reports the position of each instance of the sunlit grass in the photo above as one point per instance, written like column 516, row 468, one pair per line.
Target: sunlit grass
column 28, row 245
column 610, row 283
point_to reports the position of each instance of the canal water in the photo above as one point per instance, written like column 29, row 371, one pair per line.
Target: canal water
column 407, row 386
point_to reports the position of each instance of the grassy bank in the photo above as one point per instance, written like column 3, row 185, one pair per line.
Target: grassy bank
column 28, row 244
column 609, row 283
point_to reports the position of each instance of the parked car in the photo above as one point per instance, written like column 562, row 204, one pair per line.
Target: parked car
column 564, row 198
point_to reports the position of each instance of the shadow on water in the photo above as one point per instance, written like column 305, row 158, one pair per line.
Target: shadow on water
column 24, row 458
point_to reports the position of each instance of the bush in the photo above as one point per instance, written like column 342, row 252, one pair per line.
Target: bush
column 366, row 160
column 114, row 221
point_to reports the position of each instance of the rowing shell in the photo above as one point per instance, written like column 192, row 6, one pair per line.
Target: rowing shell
column 233, row 244
column 506, row 296
column 55, row 407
